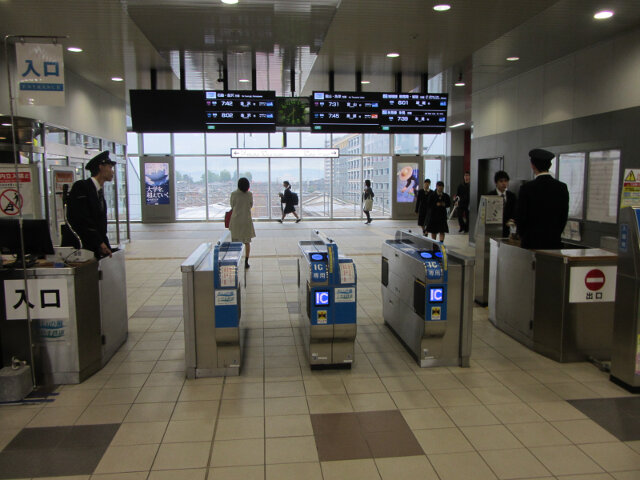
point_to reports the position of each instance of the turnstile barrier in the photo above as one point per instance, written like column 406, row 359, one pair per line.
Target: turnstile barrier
column 212, row 295
column 625, row 356
column 427, row 295
column 327, row 294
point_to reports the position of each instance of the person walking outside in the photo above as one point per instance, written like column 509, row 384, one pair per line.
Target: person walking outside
column 422, row 205
column 287, row 201
column 367, row 199
column 241, row 223
column 437, row 204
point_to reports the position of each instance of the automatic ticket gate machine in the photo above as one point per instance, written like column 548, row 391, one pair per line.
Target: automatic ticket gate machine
column 488, row 226
column 427, row 295
column 211, row 289
column 625, row 354
column 327, row 294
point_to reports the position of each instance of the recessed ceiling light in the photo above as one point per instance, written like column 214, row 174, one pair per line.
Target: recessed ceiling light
column 117, row 79
column 365, row 82
column 513, row 59
column 442, row 7
column 3, row 138
column 244, row 80
column 393, row 55
column 230, row 2
column 6, row 124
column 460, row 83
column 74, row 49
column 457, row 125
column 604, row 14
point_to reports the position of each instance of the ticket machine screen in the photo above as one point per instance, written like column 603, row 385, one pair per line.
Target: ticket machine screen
column 321, row 298
column 436, row 294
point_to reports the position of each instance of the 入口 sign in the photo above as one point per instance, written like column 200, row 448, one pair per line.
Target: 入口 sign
column 40, row 73
column 48, row 299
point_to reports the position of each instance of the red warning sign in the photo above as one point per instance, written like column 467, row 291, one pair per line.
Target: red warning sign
column 11, row 201
column 594, row 279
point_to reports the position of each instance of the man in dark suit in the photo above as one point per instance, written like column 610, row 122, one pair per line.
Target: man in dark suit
column 501, row 179
column 87, row 209
column 463, row 196
column 543, row 207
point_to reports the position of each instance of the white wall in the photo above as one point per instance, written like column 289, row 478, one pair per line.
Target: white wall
column 601, row 78
column 89, row 109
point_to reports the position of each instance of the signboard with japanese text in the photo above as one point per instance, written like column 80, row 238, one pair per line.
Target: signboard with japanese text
column 48, row 299
column 40, row 74
column 630, row 196
column 13, row 201
column 592, row 284
column 61, row 176
column 156, row 180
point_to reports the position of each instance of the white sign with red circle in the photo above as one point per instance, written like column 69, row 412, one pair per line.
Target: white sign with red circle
column 14, row 200
column 592, row 284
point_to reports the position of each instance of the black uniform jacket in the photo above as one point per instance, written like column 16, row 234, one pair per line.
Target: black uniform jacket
column 287, row 200
column 509, row 211
column 86, row 217
column 422, row 209
column 543, row 209
column 464, row 194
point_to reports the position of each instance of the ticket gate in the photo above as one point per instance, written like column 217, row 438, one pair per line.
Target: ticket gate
column 211, row 290
column 327, row 294
column 625, row 356
column 488, row 226
column 427, row 295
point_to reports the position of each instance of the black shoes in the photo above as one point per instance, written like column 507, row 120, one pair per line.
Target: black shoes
column 279, row 221
column 298, row 220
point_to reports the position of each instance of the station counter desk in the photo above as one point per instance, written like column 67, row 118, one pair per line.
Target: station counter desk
column 559, row 303
column 427, row 297
column 79, row 317
column 327, row 293
column 212, row 300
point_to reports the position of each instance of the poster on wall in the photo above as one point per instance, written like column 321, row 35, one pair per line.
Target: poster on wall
column 630, row 196
column 40, row 73
column 14, row 200
column 408, row 183
column 60, row 179
column 156, row 179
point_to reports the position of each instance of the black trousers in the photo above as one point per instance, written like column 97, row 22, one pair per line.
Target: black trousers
column 463, row 220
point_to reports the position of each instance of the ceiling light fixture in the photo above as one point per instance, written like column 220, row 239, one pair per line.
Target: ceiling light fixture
column 365, row 82
column 457, row 125
column 117, row 79
column 603, row 15
column 74, row 49
column 244, row 80
column 230, row 2
column 513, row 59
column 460, row 82
column 393, row 55
column 6, row 124
column 442, row 7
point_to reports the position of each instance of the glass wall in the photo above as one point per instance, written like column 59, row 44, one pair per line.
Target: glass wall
column 327, row 188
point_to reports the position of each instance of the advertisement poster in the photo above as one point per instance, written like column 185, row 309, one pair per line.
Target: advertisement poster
column 408, row 182
column 630, row 196
column 12, row 201
column 40, row 74
column 156, row 179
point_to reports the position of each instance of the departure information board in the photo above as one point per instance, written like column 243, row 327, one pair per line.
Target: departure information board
column 413, row 113
column 348, row 112
column 240, row 111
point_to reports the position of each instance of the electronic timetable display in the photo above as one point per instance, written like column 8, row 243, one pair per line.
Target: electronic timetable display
column 413, row 113
column 240, row 111
column 348, row 112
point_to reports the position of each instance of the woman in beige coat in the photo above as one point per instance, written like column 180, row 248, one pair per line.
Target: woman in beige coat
column 241, row 223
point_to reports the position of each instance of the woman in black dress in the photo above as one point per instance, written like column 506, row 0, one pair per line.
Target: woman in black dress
column 421, row 205
column 437, row 204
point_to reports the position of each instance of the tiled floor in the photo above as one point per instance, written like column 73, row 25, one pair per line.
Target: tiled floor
column 507, row 416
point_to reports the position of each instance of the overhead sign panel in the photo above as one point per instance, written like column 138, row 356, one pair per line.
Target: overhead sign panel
column 240, row 111
column 346, row 112
column 413, row 113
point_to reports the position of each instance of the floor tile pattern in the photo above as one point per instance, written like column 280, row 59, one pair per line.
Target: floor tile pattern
column 619, row 416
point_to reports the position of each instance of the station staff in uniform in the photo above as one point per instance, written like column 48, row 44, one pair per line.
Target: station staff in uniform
column 87, row 208
column 543, row 207
column 509, row 200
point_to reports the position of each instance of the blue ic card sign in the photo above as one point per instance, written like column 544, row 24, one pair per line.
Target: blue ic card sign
column 318, row 272
column 434, row 271
column 321, row 298
column 345, row 295
column 624, row 237
column 436, row 295
column 225, row 297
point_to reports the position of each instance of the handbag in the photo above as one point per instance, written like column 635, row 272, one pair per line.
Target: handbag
column 368, row 204
column 227, row 218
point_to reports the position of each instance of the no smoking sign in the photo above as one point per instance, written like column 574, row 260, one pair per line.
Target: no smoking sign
column 592, row 284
